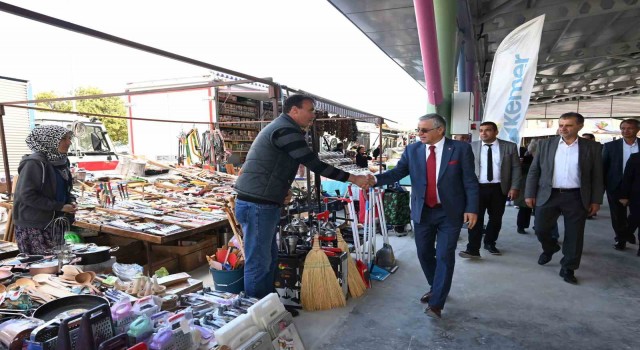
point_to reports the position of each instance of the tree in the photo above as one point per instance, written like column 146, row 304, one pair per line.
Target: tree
column 117, row 128
column 65, row 106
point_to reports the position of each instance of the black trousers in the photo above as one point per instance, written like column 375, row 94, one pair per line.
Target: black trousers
column 569, row 204
column 619, row 221
column 524, row 217
column 492, row 201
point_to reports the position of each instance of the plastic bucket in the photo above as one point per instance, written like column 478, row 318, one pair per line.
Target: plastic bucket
column 137, row 168
column 228, row 281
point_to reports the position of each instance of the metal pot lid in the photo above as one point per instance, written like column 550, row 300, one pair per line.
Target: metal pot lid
column 44, row 264
column 91, row 249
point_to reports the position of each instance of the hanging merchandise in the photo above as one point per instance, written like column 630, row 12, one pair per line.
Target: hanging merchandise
column 192, row 145
column 182, row 137
column 320, row 125
column 353, row 136
column 206, row 147
column 219, row 148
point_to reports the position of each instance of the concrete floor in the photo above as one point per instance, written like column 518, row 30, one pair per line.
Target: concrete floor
column 498, row 302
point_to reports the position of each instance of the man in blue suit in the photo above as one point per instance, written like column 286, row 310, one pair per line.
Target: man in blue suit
column 444, row 195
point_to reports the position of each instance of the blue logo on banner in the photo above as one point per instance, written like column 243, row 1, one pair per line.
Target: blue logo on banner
column 513, row 109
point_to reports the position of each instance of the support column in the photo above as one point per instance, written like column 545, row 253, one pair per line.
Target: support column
column 462, row 71
column 426, row 23
column 446, row 27
column 5, row 153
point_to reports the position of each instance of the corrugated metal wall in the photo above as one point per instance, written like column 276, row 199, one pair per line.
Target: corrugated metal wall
column 16, row 123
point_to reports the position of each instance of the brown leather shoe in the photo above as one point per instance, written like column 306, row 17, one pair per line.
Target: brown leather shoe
column 425, row 298
column 433, row 312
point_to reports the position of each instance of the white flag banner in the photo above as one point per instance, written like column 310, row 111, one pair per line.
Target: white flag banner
column 512, row 76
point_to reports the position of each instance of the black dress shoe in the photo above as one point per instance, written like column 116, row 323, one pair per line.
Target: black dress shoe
column 568, row 276
column 621, row 245
column 631, row 239
column 425, row 298
column 492, row 249
column 546, row 257
column 469, row 255
column 522, row 231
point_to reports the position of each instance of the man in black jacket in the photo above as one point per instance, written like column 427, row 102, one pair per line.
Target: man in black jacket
column 614, row 159
column 267, row 175
column 629, row 193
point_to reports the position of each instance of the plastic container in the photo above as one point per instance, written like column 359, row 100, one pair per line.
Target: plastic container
column 237, row 332
column 137, row 168
column 228, row 281
column 266, row 311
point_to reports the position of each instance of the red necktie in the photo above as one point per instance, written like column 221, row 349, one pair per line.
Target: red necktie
column 431, row 197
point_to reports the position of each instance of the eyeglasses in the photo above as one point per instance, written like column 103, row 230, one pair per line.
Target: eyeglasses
column 424, row 131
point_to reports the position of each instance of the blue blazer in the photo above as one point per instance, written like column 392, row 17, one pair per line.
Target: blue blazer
column 457, row 182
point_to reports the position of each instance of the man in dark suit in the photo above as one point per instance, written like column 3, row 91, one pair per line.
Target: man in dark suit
column 497, row 167
column 629, row 192
column 614, row 159
column 444, row 195
column 565, row 178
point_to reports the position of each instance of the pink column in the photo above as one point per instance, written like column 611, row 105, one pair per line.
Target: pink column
column 426, row 22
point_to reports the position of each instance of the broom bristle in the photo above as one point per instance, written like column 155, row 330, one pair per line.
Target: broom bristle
column 320, row 288
column 356, row 284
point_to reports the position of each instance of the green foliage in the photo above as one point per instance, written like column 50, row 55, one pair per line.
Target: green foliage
column 117, row 128
column 58, row 106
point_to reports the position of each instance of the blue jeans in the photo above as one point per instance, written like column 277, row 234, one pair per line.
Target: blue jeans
column 437, row 260
column 259, row 222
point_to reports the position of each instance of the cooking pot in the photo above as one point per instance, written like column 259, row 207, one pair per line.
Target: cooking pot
column 14, row 331
column 5, row 273
column 49, row 266
column 68, row 306
column 90, row 254
column 21, row 259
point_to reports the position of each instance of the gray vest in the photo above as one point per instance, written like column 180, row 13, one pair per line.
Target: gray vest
column 268, row 171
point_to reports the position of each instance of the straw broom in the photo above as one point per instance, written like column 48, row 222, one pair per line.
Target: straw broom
column 356, row 284
column 320, row 288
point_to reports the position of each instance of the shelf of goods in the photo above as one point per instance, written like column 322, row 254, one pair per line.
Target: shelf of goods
column 242, row 112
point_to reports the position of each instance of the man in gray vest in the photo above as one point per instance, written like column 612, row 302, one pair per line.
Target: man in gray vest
column 262, row 187
column 497, row 167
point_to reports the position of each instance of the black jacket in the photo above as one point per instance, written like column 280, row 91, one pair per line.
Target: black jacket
column 35, row 203
column 630, row 184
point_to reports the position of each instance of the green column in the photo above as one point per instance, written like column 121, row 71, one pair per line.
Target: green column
column 446, row 27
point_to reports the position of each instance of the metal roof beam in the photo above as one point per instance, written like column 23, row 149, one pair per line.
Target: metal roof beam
column 586, row 89
column 561, row 11
column 598, row 70
column 611, row 50
column 587, row 76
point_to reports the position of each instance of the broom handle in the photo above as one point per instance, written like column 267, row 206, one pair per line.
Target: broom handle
column 367, row 228
column 354, row 228
column 234, row 227
column 372, row 232
column 383, row 219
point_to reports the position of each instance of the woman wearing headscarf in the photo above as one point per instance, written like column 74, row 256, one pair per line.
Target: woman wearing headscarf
column 43, row 193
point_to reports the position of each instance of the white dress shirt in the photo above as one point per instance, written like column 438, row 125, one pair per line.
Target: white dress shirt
column 438, row 150
column 627, row 151
column 495, row 156
column 566, row 171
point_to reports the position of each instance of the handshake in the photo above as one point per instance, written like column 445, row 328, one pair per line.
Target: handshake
column 363, row 181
